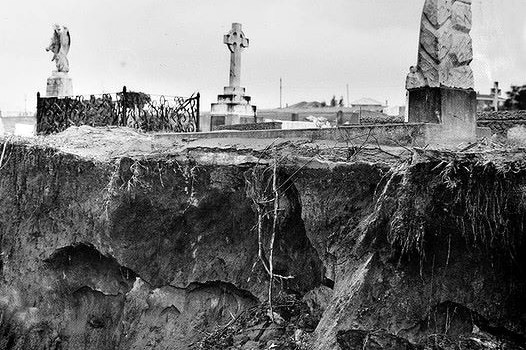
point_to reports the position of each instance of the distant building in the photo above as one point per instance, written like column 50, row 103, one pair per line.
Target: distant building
column 363, row 111
column 17, row 123
column 367, row 104
column 394, row 111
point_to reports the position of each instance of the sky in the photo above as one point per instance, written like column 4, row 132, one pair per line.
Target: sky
column 175, row 47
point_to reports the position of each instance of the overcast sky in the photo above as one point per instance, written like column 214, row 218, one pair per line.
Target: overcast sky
column 175, row 47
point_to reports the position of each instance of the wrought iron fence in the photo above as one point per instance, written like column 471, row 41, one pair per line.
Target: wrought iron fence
column 133, row 109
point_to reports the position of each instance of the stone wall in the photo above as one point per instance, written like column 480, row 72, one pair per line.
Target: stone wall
column 502, row 115
column 500, row 122
column 251, row 126
column 380, row 119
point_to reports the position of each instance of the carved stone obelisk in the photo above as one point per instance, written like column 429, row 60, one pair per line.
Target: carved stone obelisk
column 59, row 84
column 440, row 87
column 233, row 106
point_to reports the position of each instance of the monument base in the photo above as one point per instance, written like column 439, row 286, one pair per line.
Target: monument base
column 454, row 109
column 59, row 84
column 220, row 120
column 233, row 107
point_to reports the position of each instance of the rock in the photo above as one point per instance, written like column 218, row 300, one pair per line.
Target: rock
column 251, row 345
column 273, row 332
column 318, row 299
column 240, row 339
column 276, row 318
column 273, row 344
column 254, row 333
column 378, row 340
column 298, row 334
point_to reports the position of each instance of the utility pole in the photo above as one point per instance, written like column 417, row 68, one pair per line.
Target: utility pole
column 280, row 93
column 347, row 95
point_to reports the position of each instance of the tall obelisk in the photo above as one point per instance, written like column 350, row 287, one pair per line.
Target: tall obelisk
column 441, row 87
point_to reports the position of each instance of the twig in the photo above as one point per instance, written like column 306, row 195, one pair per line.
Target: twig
column 266, row 149
column 384, row 151
column 365, row 341
column 400, row 145
column 470, row 146
column 273, row 236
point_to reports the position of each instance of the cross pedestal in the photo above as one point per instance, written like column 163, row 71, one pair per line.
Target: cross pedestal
column 454, row 109
column 233, row 106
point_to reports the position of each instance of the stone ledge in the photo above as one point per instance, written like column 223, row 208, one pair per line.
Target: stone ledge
column 409, row 134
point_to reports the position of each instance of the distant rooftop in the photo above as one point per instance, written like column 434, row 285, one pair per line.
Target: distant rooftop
column 366, row 102
column 16, row 114
column 305, row 104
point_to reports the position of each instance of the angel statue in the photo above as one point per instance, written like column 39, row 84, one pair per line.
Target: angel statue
column 60, row 43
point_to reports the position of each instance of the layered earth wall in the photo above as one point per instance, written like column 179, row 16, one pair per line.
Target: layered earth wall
column 114, row 240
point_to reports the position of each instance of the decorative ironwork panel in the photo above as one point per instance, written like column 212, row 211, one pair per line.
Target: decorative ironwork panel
column 133, row 109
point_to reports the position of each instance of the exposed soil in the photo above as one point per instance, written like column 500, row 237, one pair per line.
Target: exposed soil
column 114, row 239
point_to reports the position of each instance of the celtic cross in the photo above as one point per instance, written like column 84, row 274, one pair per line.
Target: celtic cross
column 236, row 42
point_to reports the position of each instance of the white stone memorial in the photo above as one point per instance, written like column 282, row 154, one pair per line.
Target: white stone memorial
column 60, row 84
column 233, row 106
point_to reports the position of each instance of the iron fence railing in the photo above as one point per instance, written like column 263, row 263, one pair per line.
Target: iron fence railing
column 133, row 109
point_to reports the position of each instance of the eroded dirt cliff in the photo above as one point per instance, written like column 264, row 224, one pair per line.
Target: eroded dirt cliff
column 113, row 240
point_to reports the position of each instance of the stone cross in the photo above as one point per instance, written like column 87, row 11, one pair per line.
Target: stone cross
column 236, row 42
column 496, row 93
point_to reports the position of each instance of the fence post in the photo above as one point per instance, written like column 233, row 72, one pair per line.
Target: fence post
column 39, row 112
column 123, row 121
column 65, row 119
column 198, row 112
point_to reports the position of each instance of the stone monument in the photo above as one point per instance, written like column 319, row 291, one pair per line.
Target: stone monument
column 233, row 106
column 59, row 84
column 441, row 87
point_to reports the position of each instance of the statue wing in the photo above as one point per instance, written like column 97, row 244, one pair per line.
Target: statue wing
column 65, row 43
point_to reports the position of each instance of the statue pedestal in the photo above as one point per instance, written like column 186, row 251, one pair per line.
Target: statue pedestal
column 454, row 109
column 59, row 84
column 233, row 107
